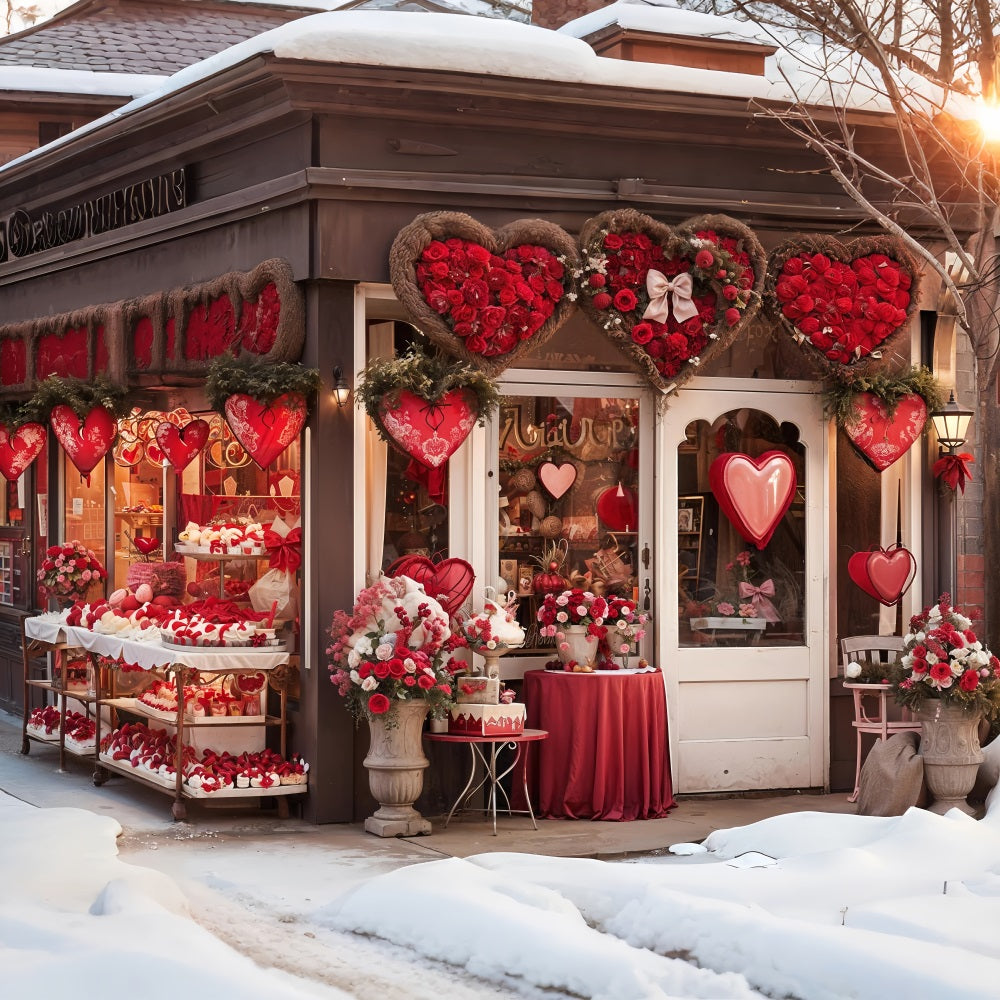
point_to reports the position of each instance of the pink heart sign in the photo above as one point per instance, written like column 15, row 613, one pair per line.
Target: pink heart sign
column 557, row 479
column 181, row 445
column 885, row 574
column 449, row 582
column 429, row 432
column 882, row 439
column 85, row 441
column 266, row 429
column 754, row 493
column 18, row 449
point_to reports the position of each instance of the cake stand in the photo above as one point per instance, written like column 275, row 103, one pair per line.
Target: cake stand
column 492, row 657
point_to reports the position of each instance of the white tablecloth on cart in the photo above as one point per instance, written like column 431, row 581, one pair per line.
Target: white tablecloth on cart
column 50, row 627
column 153, row 655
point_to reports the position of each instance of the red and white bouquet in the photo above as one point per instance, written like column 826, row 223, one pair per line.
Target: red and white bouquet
column 613, row 621
column 395, row 646
column 69, row 569
column 944, row 659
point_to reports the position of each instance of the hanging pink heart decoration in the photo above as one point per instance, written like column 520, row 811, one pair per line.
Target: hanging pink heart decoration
column 265, row 430
column 429, row 432
column 181, row 445
column 882, row 439
column 885, row 574
column 18, row 449
column 449, row 582
column 557, row 479
column 754, row 493
column 85, row 441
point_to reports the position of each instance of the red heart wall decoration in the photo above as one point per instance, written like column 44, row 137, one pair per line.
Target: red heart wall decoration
column 19, row 448
column 841, row 302
column 885, row 574
column 670, row 299
column 486, row 297
column 265, row 430
column 146, row 545
column 429, row 432
column 754, row 493
column 181, row 445
column 86, row 441
column 449, row 582
column 880, row 438
column 557, row 479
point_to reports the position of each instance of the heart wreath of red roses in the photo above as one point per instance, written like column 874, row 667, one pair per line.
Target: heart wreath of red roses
column 842, row 303
column 669, row 299
column 482, row 296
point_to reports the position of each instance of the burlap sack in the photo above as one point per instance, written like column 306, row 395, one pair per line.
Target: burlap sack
column 892, row 778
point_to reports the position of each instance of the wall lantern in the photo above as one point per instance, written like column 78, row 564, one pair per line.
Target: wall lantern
column 951, row 423
column 341, row 390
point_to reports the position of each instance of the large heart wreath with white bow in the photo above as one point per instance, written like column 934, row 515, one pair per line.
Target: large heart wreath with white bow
column 670, row 299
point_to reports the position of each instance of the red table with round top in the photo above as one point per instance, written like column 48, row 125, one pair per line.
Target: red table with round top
column 607, row 755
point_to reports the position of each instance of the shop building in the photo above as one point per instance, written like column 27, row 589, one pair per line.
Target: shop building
column 252, row 203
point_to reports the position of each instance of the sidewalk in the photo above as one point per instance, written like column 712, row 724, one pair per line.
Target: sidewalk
column 143, row 812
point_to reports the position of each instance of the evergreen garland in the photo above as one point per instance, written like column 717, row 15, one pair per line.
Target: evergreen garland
column 890, row 387
column 13, row 415
column 81, row 395
column 263, row 381
column 426, row 375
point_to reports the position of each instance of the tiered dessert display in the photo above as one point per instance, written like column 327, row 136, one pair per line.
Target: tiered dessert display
column 482, row 708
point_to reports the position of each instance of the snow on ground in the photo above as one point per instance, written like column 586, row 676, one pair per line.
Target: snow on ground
column 833, row 906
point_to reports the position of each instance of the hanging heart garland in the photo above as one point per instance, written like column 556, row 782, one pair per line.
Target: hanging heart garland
column 754, row 493
column 842, row 303
column 885, row 574
column 265, row 430
column 86, row 441
column 670, row 299
column 19, row 448
column 181, row 444
column 487, row 297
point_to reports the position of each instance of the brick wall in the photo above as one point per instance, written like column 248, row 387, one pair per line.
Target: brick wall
column 970, row 565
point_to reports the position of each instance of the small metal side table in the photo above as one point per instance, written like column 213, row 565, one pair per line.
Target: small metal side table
column 491, row 776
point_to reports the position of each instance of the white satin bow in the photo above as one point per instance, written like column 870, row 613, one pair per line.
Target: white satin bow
column 660, row 289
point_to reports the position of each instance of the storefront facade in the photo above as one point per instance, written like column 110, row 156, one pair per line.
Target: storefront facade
column 312, row 168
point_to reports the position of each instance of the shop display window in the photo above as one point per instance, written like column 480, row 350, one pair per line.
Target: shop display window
column 730, row 592
column 84, row 510
column 568, row 500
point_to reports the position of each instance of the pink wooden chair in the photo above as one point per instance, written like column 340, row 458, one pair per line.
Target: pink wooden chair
column 871, row 701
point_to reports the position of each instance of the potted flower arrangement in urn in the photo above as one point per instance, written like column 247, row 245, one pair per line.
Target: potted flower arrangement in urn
column 580, row 621
column 391, row 660
column 68, row 571
column 949, row 678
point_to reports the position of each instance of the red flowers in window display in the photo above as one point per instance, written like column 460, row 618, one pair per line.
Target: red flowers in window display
column 671, row 300
column 69, row 569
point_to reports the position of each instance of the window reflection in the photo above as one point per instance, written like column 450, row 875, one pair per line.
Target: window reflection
column 729, row 592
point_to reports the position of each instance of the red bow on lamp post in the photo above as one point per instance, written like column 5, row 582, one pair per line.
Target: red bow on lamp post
column 953, row 470
column 284, row 552
column 951, row 423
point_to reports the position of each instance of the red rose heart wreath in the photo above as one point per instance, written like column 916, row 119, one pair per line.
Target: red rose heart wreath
column 670, row 299
column 842, row 302
column 486, row 297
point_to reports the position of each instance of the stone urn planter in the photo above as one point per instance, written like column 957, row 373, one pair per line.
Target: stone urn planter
column 396, row 765
column 580, row 647
column 949, row 746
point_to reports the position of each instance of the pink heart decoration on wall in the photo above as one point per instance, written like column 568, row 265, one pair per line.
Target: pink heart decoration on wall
column 85, row 441
column 880, row 438
column 429, row 432
column 449, row 582
column 557, row 479
column 754, row 493
column 266, row 430
column 18, row 449
column 181, row 445
column 885, row 574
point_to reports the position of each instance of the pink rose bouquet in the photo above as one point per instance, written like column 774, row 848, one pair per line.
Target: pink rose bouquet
column 69, row 569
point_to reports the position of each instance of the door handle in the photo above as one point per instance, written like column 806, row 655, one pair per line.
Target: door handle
column 25, row 548
column 645, row 555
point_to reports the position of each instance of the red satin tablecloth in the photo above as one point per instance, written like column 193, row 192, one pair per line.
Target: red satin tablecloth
column 606, row 756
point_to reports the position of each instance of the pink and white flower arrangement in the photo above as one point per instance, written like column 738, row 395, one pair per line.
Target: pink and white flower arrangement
column 69, row 569
column 944, row 659
column 614, row 621
column 395, row 646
